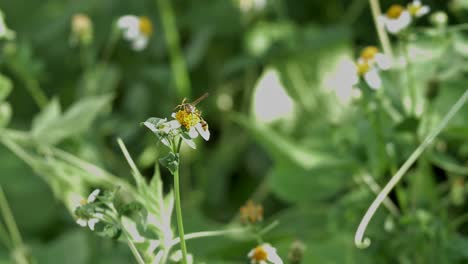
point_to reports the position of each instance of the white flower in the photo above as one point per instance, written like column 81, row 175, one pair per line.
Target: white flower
column 264, row 254
column 90, row 222
column 417, row 9
column 372, row 78
column 396, row 19
column 368, row 65
column 136, row 29
column 5, row 32
column 177, row 257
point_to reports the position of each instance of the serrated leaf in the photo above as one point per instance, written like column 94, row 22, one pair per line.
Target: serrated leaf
column 46, row 117
column 75, row 120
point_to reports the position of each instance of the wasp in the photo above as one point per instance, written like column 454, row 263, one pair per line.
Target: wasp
column 190, row 107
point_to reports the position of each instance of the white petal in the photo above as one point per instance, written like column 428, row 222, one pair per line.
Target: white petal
column 92, row 222
column 373, row 79
column 189, row 142
column 151, row 126
column 173, row 115
column 140, row 43
column 422, row 11
column 193, row 132
column 204, row 133
column 165, row 141
column 396, row 25
column 174, row 124
column 81, row 222
column 383, row 61
column 93, row 195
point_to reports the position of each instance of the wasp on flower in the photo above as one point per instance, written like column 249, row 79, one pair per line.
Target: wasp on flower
column 137, row 30
column 398, row 18
column 369, row 64
column 187, row 124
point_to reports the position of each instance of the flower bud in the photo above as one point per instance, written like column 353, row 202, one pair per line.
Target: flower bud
column 439, row 19
column 82, row 30
column 296, row 252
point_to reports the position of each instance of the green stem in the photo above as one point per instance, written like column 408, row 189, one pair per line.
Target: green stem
column 409, row 77
column 210, row 234
column 180, row 225
column 383, row 36
column 113, row 38
column 359, row 239
column 134, row 250
column 36, row 93
column 178, row 65
column 12, row 229
column 4, row 236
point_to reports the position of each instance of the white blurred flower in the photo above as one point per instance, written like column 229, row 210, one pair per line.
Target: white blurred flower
column 417, row 9
column 136, row 29
column 396, row 19
column 81, row 29
column 368, row 65
column 264, row 254
column 5, row 32
column 252, row 5
column 177, row 257
column 90, row 222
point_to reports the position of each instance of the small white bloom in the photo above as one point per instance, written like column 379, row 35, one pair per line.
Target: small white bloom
column 136, row 29
column 264, row 254
column 373, row 79
column 396, row 19
column 383, row 61
column 177, row 257
column 417, row 9
column 5, row 32
column 91, row 222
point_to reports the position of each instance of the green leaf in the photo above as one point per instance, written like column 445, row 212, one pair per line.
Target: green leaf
column 5, row 114
column 170, row 161
column 75, row 120
column 283, row 148
column 5, row 87
column 46, row 117
column 295, row 184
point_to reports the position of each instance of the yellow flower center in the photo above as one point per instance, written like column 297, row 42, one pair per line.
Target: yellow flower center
column 395, row 11
column 83, row 202
column 146, row 27
column 362, row 68
column 413, row 9
column 259, row 254
column 187, row 119
column 368, row 53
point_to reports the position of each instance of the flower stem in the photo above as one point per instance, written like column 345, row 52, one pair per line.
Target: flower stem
column 36, row 92
column 383, row 37
column 15, row 235
column 409, row 76
column 178, row 65
column 359, row 239
column 180, row 224
column 134, row 250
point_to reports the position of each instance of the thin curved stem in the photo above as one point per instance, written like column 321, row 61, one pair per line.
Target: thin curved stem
column 359, row 239
column 209, row 234
column 383, row 36
column 134, row 250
